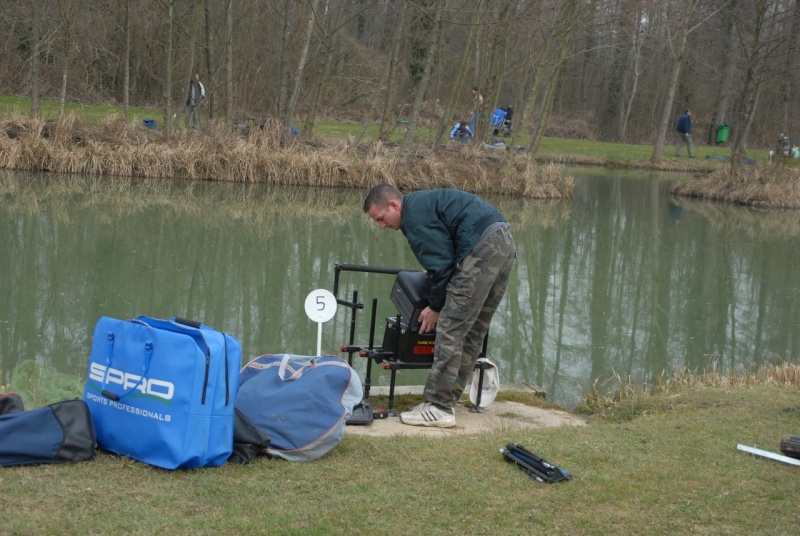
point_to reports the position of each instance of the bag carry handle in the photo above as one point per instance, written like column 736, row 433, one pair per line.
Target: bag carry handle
column 297, row 373
column 186, row 322
column 148, row 355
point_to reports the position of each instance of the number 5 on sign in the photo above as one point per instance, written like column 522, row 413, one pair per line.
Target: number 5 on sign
column 320, row 307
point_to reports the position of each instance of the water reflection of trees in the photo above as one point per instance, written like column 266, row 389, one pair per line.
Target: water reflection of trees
column 627, row 288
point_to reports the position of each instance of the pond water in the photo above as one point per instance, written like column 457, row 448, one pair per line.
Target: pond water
column 621, row 280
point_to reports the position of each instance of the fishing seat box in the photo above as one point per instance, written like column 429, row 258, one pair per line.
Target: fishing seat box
column 410, row 296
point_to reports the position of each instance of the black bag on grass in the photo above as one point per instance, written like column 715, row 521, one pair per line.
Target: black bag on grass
column 11, row 403
column 60, row 432
column 248, row 439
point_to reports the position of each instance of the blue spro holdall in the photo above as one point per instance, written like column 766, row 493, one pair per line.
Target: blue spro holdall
column 163, row 391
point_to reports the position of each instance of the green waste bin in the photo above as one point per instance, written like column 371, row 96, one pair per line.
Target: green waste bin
column 722, row 133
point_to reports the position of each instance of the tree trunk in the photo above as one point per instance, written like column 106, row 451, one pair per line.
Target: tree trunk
column 672, row 87
column 167, row 96
column 533, row 87
column 383, row 85
column 791, row 67
column 229, row 61
column 637, row 41
column 457, row 84
column 301, row 64
column 209, row 65
column 330, row 44
column 569, row 17
column 388, row 101
column 66, row 51
column 405, row 147
column 36, row 38
column 126, row 90
column 191, row 71
column 283, row 84
column 679, row 54
column 497, row 66
column 759, row 53
column 728, row 70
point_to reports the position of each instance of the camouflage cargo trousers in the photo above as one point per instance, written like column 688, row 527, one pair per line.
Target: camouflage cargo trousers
column 473, row 294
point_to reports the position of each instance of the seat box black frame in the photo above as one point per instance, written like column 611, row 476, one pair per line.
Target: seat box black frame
column 408, row 345
column 410, row 296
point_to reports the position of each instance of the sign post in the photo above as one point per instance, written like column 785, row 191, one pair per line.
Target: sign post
column 320, row 307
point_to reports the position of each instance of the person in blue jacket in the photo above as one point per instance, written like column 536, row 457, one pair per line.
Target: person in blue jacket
column 684, row 129
column 466, row 247
column 461, row 132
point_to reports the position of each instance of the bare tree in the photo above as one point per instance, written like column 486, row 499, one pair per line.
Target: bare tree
column 209, row 61
column 383, row 87
column 66, row 12
column 392, row 68
column 626, row 67
column 229, row 60
column 301, row 63
column 725, row 87
column 329, row 46
column 283, row 88
column 498, row 53
column 569, row 17
column 126, row 91
column 542, row 56
column 458, row 77
column 761, row 20
column 689, row 20
column 36, row 21
column 438, row 7
column 790, row 75
column 633, row 67
column 167, row 95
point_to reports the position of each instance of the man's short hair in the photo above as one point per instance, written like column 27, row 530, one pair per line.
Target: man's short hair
column 380, row 195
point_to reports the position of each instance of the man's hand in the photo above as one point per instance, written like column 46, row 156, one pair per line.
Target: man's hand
column 428, row 318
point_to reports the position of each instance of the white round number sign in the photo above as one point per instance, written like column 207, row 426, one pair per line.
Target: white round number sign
column 320, row 305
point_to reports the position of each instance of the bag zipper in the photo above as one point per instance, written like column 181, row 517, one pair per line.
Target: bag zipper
column 205, row 379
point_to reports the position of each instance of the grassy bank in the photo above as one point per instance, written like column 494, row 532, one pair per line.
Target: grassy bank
column 657, row 462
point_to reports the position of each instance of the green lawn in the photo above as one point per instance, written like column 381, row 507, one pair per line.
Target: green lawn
column 664, row 464
column 91, row 113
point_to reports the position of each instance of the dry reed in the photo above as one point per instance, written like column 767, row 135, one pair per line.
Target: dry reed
column 768, row 186
column 266, row 156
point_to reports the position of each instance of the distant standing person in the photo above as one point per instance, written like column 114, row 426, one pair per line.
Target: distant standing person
column 194, row 98
column 684, row 129
column 477, row 108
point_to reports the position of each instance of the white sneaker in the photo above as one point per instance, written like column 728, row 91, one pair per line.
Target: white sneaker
column 426, row 414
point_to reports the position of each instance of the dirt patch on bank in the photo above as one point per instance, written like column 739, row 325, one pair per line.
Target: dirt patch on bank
column 498, row 417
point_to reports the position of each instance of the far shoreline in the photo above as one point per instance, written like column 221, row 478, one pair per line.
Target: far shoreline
column 215, row 153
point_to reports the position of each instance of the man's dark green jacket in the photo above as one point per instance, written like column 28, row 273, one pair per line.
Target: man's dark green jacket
column 442, row 227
